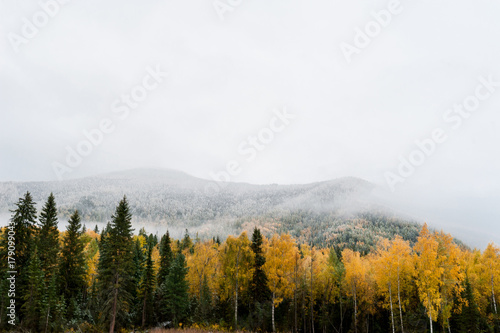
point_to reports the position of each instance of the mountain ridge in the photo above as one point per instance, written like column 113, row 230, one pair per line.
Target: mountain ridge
column 176, row 200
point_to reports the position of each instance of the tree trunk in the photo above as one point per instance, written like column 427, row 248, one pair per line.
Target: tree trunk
column 312, row 297
column 493, row 295
column 47, row 321
column 236, row 291
column 113, row 313
column 304, row 308
column 341, row 314
column 295, row 328
column 272, row 312
column 430, row 311
column 144, row 312
column 295, row 310
column 355, row 311
column 236, row 305
column 392, row 312
column 399, row 301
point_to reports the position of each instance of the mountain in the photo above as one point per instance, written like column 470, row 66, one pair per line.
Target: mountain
column 340, row 211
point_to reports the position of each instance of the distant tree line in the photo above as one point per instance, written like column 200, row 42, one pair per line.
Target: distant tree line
column 112, row 280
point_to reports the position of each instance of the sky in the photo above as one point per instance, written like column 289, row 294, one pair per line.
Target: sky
column 403, row 94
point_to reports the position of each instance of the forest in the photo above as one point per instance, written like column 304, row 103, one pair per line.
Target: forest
column 113, row 280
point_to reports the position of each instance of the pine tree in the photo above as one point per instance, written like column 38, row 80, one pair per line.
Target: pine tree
column 175, row 288
column 72, row 264
column 116, row 267
column 48, row 238
column 147, row 286
column 34, row 295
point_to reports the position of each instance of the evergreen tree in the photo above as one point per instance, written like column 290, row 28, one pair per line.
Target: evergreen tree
column 147, row 286
column 116, row 268
column 138, row 262
column 259, row 290
column 258, row 286
column 166, row 257
column 34, row 295
column 72, row 264
column 50, row 303
column 4, row 283
column 186, row 243
column 48, row 238
column 23, row 225
column 175, row 289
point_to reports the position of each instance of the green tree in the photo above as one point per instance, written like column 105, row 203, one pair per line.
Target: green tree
column 186, row 243
column 48, row 238
column 147, row 286
column 259, row 289
column 72, row 264
column 23, row 224
column 116, row 267
column 166, row 257
column 34, row 295
column 175, row 289
column 51, row 300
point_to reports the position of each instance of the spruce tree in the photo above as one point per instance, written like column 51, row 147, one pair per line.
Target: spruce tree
column 175, row 289
column 166, row 257
column 116, row 269
column 49, row 311
column 48, row 238
column 147, row 286
column 23, row 225
column 34, row 294
column 4, row 283
column 258, row 286
column 259, row 290
column 72, row 263
column 138, row 263
column 186, row 243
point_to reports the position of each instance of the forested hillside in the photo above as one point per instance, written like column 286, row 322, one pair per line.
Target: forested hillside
column 118, row 279
column 338, row 212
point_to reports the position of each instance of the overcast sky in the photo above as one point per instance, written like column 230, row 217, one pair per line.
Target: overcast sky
column 356, row 103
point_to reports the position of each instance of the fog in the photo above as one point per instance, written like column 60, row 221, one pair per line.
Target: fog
column 283, row 92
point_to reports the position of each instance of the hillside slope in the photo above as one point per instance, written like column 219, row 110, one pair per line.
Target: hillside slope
column 340, row 211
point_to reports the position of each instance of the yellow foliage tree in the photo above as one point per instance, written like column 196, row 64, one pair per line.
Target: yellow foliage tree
column 452, row 276
column 280, row 254
column 202, row 264
column 393, row 268
column 428, row 273
column 359, row 281
column 236, row 257
column 490, row 274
